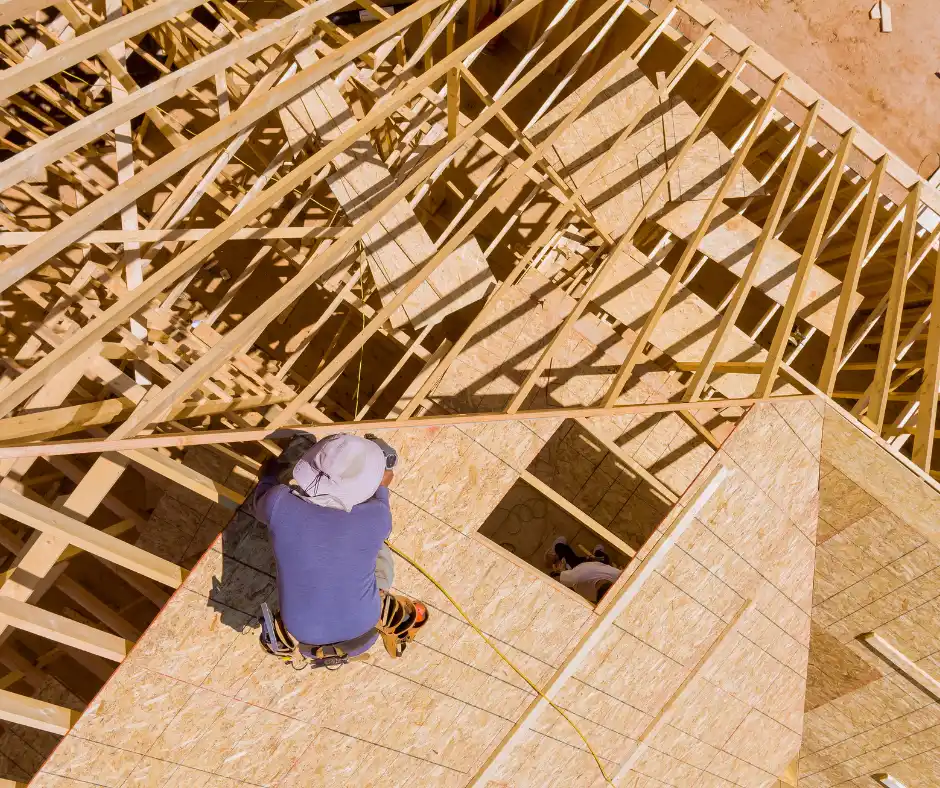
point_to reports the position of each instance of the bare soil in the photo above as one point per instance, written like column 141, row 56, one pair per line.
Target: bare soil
column 887, row 82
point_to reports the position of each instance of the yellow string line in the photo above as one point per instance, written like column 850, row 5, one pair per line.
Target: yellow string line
column 505, row 659
column 362, row 297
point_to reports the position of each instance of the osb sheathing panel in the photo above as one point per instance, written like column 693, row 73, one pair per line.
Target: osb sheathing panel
column 197, row 703
column 398, row 243
column 879, row 474
column 497, row 360
column 875, row 728
column 877, row 569
column 739, row 720
column 877, row 566
column 731, row 241
column 618, row 190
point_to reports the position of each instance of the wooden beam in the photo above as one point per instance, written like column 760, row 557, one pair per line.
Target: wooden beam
column 16, row 662
column 585, row 519
column 37, row 714
column 99, row 609
column 884, row 371
column 209, row 437
column 186, row 477
column 507, row 188
column 453, row 89
column 44, row 424
column 902, row 663
column 250, row 112
column 663, row 489
column 152, row 236
column 927, row 409
column 743, row 286
column 54, row 523
column 60, row 629
column 834, row 349
column 692, row 246
column 114, row 530
column 29, row 381
column 61, row 57
column 764, row 62
column 785, row 325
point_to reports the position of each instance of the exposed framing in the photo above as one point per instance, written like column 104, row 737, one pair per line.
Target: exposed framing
column 105, row 373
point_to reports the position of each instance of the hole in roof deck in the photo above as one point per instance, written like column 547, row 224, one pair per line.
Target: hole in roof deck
column 526, row 522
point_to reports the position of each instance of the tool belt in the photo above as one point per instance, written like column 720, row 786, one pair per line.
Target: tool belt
column 398, row 624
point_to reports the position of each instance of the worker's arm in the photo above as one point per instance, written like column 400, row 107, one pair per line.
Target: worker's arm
column 381, row 494
column 267, row 482
column 379, row 507
column 568, row 577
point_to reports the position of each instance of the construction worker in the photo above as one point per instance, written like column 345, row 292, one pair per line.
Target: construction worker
column 327, row 525
column 590, row 577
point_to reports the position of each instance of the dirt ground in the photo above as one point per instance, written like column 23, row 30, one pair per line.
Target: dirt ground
column 888, row 82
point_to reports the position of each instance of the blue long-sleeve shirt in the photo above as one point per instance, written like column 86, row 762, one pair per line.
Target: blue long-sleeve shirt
column 325, row 561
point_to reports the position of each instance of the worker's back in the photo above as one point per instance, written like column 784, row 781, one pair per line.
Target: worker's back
column 325, row 562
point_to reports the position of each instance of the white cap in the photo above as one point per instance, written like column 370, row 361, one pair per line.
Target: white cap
column 340, row 471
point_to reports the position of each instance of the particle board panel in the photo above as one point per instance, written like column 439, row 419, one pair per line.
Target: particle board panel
column 731, row 241
column 870, row 467
column 398, row 244
column 215, row 715
column 616, row 194
column 687, row 326
column 653, row 647
column 878, row 569
column 212, row 703
column 835, row 669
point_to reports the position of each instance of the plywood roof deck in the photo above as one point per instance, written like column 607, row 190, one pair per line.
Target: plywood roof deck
column 564, row 246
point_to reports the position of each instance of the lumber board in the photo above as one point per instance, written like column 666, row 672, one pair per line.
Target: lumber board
column 44, row 424
column 731, row 36
column 902, row 663
column 618, row 190
column 884, row 369
column 249, row 113
column 755, row 260
column 585, row 519
column 29, row 381
column 844, row 312
column 34, row 713
column 60, row 57
column 927, row 408
column 56, row 524
column 210, row 437
column 60, row 629
column 25, row 237
column 688, row 323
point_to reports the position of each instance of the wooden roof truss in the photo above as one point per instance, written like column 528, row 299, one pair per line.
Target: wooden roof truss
column 144, row 142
